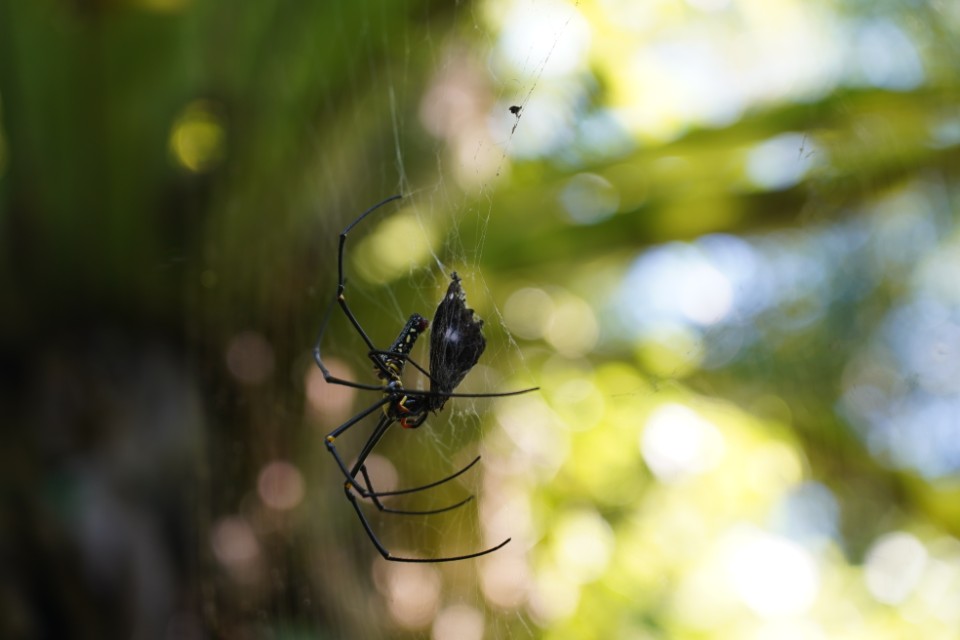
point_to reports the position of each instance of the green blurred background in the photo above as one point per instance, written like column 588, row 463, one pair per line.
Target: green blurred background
column 720, row 235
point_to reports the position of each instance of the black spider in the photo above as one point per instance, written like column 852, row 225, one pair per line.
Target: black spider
column 515, row 110
column 456, row 343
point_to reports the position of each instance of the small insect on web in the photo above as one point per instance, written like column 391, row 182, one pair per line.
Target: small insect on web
column 456, row 343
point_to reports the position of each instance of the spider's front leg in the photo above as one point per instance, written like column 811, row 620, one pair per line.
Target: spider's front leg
column 327, row 376
column 341, row 300
column 341, row 280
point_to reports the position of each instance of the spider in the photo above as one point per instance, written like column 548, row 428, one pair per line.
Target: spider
column 456, row 343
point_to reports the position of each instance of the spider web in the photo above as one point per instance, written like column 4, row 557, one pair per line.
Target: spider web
column 451, row 215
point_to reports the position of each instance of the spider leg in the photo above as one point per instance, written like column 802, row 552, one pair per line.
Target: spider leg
column 375, row 498
column 343, row 235
column 400, row 356
column 333, row 435
column 387, row 555
column 359, row 467
column 431, row 485
column 390, row 365
column 327, row 376
column 342, row 283
column 342, row 301
column 441, row 394
column 423, row 393
column 352, row 488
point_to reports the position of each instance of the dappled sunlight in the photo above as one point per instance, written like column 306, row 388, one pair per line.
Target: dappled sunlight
column 458, row 622
column 708, row 466
column 280, row 485
column 939, row 585
column 505, row 578
column 555, row 596
column 677, row 443
column 901, row 389
column 198, row 138
column 684, row 67
column 703, row 600
column 676, row 283
column 809, row 514
column 571, row 328
column 548, row 44
column 504, row 511
column 529, row 42
column 893, row 567
column 579, row 403
column 782, row 161
column 771, row 575
column 411, row 591
column 528, row 311
column 235, row 546
column 329, row 403
column 582, row 545
column 711, row 465
column 529, row 433
column 589, row 199
column 400, row 242
column 886, row 56
column 749, row 542
column 670, row 350
column 250, row 357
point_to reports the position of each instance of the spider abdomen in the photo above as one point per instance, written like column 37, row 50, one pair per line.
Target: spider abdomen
column 456, row 343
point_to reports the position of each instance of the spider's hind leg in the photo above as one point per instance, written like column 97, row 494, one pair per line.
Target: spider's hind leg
column 365, row 490
column 370, row 493
column 375, row 498
column 352, row 497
